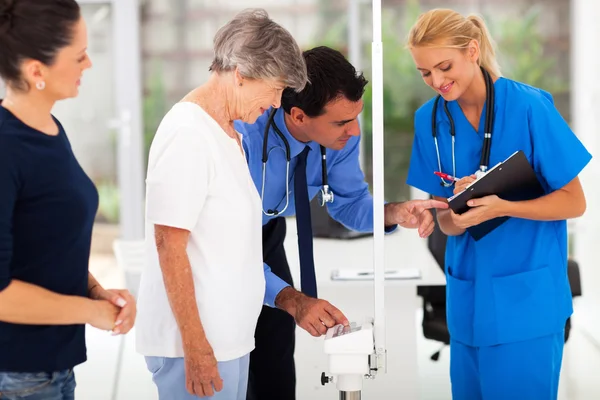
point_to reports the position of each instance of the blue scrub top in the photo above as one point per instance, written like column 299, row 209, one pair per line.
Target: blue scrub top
column 512, row 284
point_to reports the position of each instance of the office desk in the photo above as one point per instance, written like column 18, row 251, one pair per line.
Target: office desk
column 403, row 249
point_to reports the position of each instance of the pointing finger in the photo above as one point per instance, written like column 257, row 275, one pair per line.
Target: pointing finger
column 429, row 204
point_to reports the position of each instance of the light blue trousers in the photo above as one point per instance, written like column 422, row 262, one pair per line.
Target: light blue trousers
column 527, row 370
column 169, row 376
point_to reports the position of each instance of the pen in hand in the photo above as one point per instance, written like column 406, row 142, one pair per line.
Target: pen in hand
column 464, row 183
column 446, row 176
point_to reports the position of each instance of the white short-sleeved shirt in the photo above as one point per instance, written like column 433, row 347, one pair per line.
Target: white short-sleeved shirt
column 198, row 180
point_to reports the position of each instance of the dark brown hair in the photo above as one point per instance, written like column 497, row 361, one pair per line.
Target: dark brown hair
column 36, row 30
column 330, row 76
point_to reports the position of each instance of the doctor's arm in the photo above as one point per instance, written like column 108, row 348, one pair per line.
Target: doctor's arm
column 312, row 315
column 353, row 204
column 414, row 214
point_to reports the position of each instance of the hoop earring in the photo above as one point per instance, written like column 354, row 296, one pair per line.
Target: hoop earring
column 41, row 85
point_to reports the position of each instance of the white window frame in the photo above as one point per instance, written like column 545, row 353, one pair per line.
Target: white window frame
column 128, row 113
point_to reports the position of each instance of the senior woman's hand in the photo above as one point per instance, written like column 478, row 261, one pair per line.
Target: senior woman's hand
column 121, row 298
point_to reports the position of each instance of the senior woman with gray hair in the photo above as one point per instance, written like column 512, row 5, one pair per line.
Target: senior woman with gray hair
column 203, row 285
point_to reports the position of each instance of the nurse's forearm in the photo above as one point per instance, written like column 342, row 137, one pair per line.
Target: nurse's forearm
column 171, row 244
column 444, row 219
column 565, row 203
column 447, row 225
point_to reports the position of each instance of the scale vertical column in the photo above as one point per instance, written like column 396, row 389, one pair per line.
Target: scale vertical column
column 378, row 187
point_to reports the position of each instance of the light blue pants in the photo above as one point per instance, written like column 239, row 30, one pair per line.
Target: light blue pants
column 527, row 370
column 169, row 376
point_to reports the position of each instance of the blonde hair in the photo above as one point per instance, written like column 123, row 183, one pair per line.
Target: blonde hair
column 447, row 28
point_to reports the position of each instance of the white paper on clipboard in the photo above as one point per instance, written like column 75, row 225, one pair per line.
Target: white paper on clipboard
column 367, row 275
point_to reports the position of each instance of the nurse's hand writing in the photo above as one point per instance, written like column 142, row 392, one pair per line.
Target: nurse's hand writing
column 201, row 371
column 413, row 214
column 483, row 209
column 462, row 184
column 313, row 315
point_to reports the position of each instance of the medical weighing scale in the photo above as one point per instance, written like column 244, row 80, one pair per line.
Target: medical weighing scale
column 358, row 351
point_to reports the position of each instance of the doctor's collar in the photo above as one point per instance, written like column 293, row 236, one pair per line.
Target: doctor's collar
column 296, row 146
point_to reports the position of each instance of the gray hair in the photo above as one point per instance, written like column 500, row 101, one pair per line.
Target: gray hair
column 260, row 49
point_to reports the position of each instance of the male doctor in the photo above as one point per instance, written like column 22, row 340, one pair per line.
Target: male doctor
column 323, row 114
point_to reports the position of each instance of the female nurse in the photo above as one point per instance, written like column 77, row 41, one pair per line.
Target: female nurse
column 508, row 293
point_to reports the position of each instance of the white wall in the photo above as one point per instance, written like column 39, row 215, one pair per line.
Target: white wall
column 86, row 117
column 586, row 122
column 178, row 34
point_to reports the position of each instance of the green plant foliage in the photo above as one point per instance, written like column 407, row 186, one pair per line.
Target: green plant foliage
column 403, row 92
column 109, row 205
column 154, row 107
column 520, row 53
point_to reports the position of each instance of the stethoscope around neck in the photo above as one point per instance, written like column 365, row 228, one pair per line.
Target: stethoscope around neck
column 487, row 138
column 325, row 195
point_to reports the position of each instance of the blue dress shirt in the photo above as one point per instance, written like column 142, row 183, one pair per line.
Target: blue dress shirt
column 353, row 204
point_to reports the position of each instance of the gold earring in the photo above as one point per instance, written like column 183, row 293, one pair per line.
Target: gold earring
column 240, row 83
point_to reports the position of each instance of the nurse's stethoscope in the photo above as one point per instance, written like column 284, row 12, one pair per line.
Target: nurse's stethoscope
column 487, row 138
column 325, row 195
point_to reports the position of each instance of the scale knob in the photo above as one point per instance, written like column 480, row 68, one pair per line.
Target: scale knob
column 325, row 379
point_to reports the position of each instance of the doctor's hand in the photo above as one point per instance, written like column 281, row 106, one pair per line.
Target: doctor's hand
column 483, row 209
column 313, row 315
column 413, row 214
column 462, row 184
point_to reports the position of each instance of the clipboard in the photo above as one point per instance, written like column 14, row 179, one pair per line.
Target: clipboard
column 513, row 179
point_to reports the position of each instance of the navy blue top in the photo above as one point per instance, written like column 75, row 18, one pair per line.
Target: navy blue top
column 47, row 210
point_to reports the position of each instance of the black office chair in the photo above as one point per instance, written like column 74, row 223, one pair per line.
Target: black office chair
column 323, row 226
column 434, row 297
